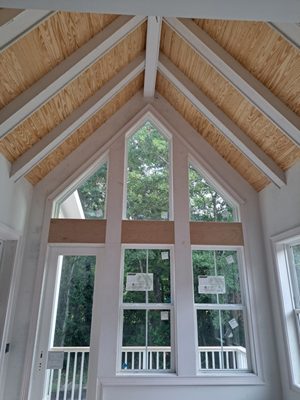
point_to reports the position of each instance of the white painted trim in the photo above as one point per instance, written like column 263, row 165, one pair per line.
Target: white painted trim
column 44, row 89
column 19, row 24
column 289, row 31
column 152, row 53
column 261, row 97
column 8, row 233
column 222, row 122
column 259, row 10
column 78, row 117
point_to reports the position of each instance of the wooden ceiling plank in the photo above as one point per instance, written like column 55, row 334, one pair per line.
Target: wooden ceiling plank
column 221, row 121
column 152, row 54
column 17, row 23
column 79, row 116
column 261, row 97
column 51, row 83
column 289, row 31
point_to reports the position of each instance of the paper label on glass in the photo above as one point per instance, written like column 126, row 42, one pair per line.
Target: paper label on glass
column 164, row 315
column 55, row 360
column 230, row 260
column 164, row 255
column 233, row 323
column 139, row 282
column 164, row 215
column 211, row 284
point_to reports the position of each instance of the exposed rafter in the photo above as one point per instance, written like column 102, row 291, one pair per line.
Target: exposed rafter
column 79, row 116
column 237, row 75
column 16, row 23
column 152, row 53
column 289, row 31
column 222, row 122
column 51, row 83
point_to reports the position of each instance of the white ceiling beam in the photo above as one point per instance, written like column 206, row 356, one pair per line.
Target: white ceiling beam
column 222, row 122
column 257, row 10
column 44, row 89
column 289, row 31
column 16, row 23
column 152, row 53
column 261, row 97
column 53, row 139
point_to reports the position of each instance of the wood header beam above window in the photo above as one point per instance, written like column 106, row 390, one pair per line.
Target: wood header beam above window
column 145, row 232
column 44, row 89
column 261, row 97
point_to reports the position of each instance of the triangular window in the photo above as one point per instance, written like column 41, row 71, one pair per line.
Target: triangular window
column 87, row 200
column 206, row 204
column 148, row 159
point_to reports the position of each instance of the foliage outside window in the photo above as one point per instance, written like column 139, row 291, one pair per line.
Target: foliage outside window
column 147, row 311
column 206, row 204
column 87, row 201
column 219, row 310
column 148, row 175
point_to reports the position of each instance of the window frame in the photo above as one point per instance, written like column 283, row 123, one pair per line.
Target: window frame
column 283, row 262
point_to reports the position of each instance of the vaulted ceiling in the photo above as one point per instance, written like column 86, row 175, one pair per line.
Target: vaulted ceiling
column 236, row 82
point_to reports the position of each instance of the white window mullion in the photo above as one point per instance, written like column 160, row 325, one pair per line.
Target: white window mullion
column 110, row 278
column 184, row 302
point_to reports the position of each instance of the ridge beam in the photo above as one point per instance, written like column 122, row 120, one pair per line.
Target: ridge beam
column 152, row 54
column 15, row 24
column 221, row 121
column 44, row 89
column 261, row 97
column 77, row 118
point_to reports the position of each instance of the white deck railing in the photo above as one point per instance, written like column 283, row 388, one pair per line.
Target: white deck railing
column 69, row 383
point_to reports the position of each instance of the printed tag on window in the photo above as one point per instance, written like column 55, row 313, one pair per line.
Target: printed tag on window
column 139, row 282
column 164, row 315
column 164, row 215
column 55, row 360
column 233, row 323
column 164, row 255
column 230, row 260
column 211, row 284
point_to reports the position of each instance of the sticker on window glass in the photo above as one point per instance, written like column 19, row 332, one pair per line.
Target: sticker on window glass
column 164, row 255
column 164, row 215
column 164, row 315
column 139, row 282
column 230, row 260
column 55, row 360
column 233, row 323
column 211, row 284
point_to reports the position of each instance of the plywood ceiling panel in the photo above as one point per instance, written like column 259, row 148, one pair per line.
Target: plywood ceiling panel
column 262, row 51
column 236, row 159
column 72, row 96
column 66, row 148
column 41, row 50
column 272, row 141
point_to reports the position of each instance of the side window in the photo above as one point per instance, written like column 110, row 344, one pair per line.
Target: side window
column 87, row 200
column 146, row 311
column 220, row 312
column 148, row 175
column 294, row 263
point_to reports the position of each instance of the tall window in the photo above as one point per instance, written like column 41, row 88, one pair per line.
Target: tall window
column 220, row 311
column 294, row 256
column 148, row 175
column 146, row 310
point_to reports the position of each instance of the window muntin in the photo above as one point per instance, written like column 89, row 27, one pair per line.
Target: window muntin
column 206, row 204
column 88, row 200
column 146, row 310
column 219, row 310
column 148, row 175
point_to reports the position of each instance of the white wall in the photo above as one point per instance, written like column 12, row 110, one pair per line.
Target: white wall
column 280, row 211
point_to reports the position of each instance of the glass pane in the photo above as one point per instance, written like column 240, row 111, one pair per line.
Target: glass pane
column 221, row 340
column 88, row 200
column 216, row 277
column 296, row 259
column 146, row 276
column 72, row 329
column 148, row 175
column 205, row 203
column 146, row 341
